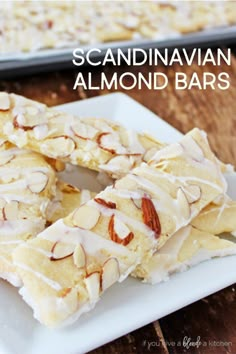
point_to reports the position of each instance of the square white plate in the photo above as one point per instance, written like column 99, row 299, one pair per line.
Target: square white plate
column 126, row 306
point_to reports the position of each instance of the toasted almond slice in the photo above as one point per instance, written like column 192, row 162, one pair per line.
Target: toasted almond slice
column 183, row 203
column 168, row 152
column 58, row 166
column 92, row 282
column 150, row 216
column 107, row 204
column 68, row 188
column 6, row 158
column 64, row 292
column 119, row 232
column 61, row 146
column 110, row 273
column 83, row 131
column 37, row 182
column 110, row 142
column 30, row 116
column 79, row 256
column 10, row 211
column 192, row 148
column 192, row 193
column 4, row 101
column 62, row 250
column 117, row 164
column 85, row 217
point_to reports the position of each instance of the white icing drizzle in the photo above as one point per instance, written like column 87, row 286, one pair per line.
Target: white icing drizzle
column 137, row 225
column 189, row 179
column 91, row 241
column 37, row 249
column 126, row 194
column 13, row 152
column 12, row 242
column 17, row 185
column 4, row 259
column 53, row 284
column 9, row 228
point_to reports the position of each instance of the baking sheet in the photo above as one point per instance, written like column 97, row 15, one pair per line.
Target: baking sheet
column 55, row 59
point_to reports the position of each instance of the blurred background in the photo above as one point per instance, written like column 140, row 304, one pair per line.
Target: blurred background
column 41, row 34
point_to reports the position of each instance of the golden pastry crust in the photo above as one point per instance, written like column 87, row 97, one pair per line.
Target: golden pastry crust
column 27, row 185
column 30, row 199
column 94, row 143
column 102, row 241
column 217, row 218
column 188, row 247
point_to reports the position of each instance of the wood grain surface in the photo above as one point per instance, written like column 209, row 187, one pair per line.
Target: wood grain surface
column 211, row 322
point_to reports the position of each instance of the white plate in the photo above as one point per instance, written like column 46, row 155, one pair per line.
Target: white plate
column 125, row 306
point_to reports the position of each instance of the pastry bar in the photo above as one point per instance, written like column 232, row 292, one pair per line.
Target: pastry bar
column 77, row 258
column 27, row 184
column 217, row 218
column 31, row 198
column 67, row 198
column 188, row 247
column 94, row 143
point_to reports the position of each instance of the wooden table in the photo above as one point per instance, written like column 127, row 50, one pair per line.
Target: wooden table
column 213, row 318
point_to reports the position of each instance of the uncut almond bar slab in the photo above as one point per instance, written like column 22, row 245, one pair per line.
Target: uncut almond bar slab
column 69, row 265
column 98, row 144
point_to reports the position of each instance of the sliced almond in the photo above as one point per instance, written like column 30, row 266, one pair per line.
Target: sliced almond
column 119, row 232
column 183, row 203
column 62, row 250
column 64, row 292
column 79, row 256
column 58, row 166
column 61, row 146
column 83, row 131
column 110, row 273
column 192, row 192
column 150, row 216
column 137, row 203
column 117, row 164
column 85, row 217
column 168, row 152
column 92, row 282
column 105, row 203
column 6, row 158
column 10, row 211
column 4, row 101
column 37, row 182
column 29, row 117
column 110, row 142
column 192, row 149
